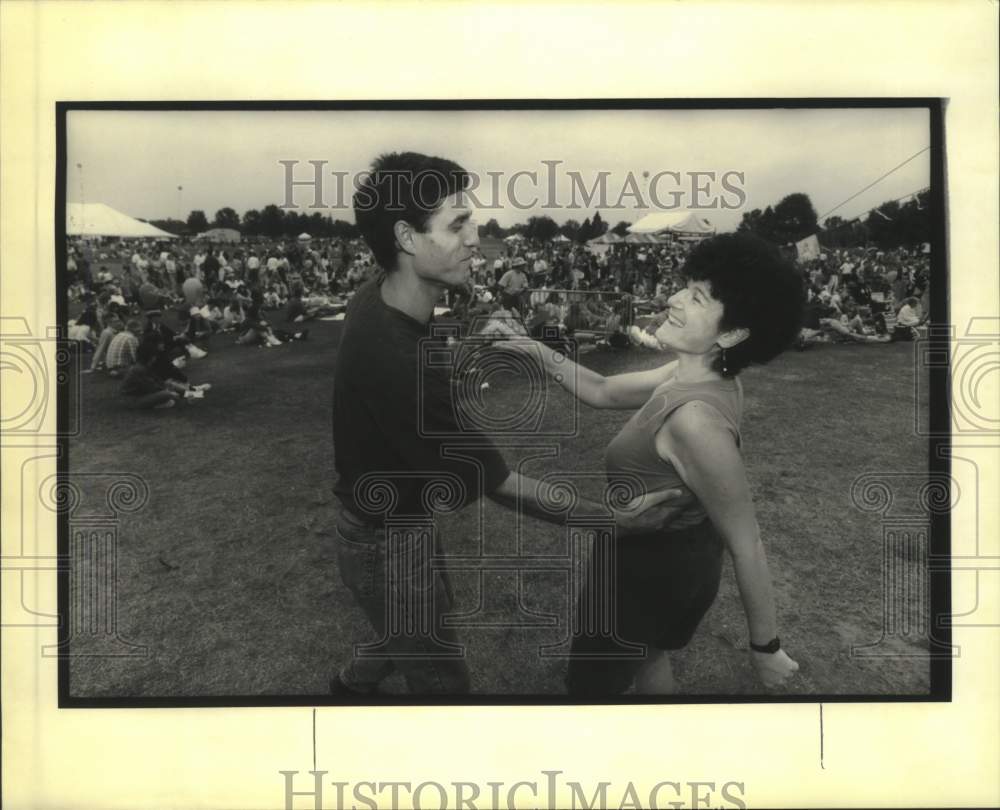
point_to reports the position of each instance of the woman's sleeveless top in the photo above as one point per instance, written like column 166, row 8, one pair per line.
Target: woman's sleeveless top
column 632, row 453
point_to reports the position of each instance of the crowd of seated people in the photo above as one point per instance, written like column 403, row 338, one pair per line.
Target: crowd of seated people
column 260, row 294
column 264, row 292
column 866, row 296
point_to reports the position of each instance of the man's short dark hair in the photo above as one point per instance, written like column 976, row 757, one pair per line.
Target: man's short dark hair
column 404, row 186
column 760, row 290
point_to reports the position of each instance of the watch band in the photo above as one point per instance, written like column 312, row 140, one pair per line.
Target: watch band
column 771, row 647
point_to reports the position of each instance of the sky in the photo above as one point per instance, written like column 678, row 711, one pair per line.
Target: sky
column 134, row 161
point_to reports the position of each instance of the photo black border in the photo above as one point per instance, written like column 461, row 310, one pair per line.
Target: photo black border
column 939, row 438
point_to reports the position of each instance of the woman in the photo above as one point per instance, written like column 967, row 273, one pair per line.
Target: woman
column 742, row 305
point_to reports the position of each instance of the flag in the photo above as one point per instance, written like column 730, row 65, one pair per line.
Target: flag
column 807, row 248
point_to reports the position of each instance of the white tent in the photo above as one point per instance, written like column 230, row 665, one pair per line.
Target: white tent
column 559, row 238
column 221, row 235
column 97, row 219
column 609, row 238
column 681, row 223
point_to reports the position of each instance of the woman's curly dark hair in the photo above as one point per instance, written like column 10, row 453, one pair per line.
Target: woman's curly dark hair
column 760, row 290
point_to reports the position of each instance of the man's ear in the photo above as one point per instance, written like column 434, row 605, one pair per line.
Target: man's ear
column 404, row 233
column 733, row 337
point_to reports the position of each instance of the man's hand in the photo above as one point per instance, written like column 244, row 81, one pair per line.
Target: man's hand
column 774, row 669
column 652, row 511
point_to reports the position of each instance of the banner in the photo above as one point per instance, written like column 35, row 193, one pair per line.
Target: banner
column 808, row 248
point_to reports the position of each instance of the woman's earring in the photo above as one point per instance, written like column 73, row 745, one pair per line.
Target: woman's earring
column 725, row 368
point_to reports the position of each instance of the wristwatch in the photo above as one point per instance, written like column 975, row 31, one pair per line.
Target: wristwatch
column 771, row 647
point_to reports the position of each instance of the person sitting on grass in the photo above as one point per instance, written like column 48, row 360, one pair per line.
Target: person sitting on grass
column 503, row 323
column 470, row 305
column 113, row 328
column 144, row 389
column 123, row 347
column 168, row 368
column 848, row 327
column 580, row 316
column 90, row 316
column 176, row 344
column 193, row 325
column 852, row 317
column 141, row 388
column 547, row 312
column 83, row 335
column 212, row 313
column 281, row 289
column 546, row 324
column 297, row 312
column 174, row 351
column 234, row 316
column 909, row 317
column 271, row 299
column 256, row 330
column 295, row 315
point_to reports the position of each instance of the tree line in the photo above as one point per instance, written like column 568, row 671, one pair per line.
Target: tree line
column 273, row 221
column 889, row 225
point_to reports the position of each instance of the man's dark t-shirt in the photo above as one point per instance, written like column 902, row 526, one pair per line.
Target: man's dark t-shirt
column 393, row 416
column 210, row 267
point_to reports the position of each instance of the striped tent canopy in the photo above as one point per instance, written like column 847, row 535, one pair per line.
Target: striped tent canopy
column 608, row 238
column 676, row 222
column 645, row 239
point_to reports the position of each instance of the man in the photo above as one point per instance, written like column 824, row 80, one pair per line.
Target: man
column 123, row 347
column 210, row 268
column 514, row 286
column 113, row 328
column 397, row 437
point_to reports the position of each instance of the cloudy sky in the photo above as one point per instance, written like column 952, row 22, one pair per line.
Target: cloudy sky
column 134, row 161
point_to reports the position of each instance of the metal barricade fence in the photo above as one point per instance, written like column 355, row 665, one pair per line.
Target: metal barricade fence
column 614, row 311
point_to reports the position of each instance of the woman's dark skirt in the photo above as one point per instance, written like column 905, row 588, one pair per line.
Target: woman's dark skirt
column 649, row 590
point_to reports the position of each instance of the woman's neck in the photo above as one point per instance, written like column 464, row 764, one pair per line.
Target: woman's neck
column 693, row 368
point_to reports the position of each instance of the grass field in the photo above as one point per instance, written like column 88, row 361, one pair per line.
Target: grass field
column 229, row 574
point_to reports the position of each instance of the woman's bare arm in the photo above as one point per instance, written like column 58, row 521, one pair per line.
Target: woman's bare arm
column 622, row 391
column 699, row 443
